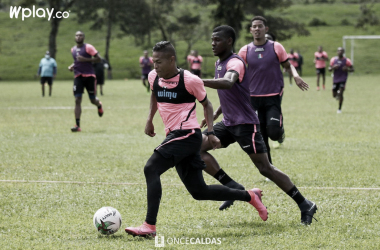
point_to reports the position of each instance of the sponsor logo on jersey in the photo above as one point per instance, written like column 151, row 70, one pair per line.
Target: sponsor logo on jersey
column 167, row 94
column 259, row 49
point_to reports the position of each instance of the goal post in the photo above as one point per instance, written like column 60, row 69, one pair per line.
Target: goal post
column 352, row 38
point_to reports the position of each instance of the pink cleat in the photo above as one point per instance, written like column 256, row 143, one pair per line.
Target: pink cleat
column 100, row 110
column 317, row 88
column 256, row 202
column 145, row 230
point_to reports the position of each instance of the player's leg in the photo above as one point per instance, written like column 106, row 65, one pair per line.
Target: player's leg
column 154, row 168
column 274, row 119
column 78, row 92
column 42, row 80
column 90, row 84
column 340, row 95
column 324, row 78
column 212, row 166
column 318, row 76
column 50, row 83
column 190, row 172
column 262, row 163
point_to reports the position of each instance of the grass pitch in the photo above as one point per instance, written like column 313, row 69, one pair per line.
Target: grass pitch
column 53, row 180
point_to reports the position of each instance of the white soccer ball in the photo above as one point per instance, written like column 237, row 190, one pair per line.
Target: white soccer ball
column 107, row 220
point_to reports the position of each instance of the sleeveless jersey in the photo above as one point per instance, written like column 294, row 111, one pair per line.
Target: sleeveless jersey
column 235, row 103
column 83, row 68
column 339, row 74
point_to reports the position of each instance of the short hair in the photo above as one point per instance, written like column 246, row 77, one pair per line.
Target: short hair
column 260, row 18
column 165, row 47
column 227, row 31
column 270, row 36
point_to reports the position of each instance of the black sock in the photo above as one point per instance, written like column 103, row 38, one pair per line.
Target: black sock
column 222, row 177
column 78, row 122
column 296, row 195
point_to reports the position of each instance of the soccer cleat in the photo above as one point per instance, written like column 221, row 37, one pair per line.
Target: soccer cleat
column 257, row 203
column 145, row 230
column 100, row 110
column 282, row 139
column 76, row 129
column 234, row 185
column 339, row 111
column 324, row 88
column 308, row 209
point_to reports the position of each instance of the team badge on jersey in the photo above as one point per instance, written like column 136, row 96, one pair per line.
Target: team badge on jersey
column 260, row 56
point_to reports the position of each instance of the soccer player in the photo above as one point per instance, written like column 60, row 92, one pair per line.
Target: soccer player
column 47, row 70
column 174, row 92
column 146, row 64
column 84, row 55
column 195, row 62
column 300, row 63
column 293, row 59
column 264, row 58
column 240, row 122
column 340, row 65
column 99, row 73
column 320, row 58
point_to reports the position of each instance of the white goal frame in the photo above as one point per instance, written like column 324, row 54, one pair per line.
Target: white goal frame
column 352, row 43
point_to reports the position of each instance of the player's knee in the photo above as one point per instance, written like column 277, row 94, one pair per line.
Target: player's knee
column 198, row 192
column 274, row 132
column 149, row 168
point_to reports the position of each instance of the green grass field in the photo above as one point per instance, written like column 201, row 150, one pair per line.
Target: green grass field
column 52, row 181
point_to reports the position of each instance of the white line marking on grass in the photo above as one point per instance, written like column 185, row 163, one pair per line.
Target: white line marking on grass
column 130, row 183
column 62, row 107
column 81, row 182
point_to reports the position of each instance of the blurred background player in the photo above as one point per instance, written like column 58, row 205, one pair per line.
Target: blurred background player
column 47, row 70
column 146, row 65
column 194, row 62
column 300, row 62
column 293, row 60
column 99, row 72
column 84, row 56
column 340, row 66
column 320, row 58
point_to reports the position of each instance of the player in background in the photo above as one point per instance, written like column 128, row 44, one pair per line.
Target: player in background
column 146, row 65
column 99, row 73
column 264, row 58
column 320, row 59
column 240, row 123
column 340, row 65
column 47, row 70
column 293, row 59
column 84, row 55
column 300, row 63
column 194, row 62
column 174, row 92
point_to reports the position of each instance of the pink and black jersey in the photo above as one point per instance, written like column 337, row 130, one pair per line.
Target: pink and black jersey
column 195, row 62
column 293, row 59
column 319, row 57
column 264, row 72
column 147, row 64
column 235, row 103
column 83, row 68
column 339, row 74
column 176, row 99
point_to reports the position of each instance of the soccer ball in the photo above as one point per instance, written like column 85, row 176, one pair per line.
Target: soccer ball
column 107, row 220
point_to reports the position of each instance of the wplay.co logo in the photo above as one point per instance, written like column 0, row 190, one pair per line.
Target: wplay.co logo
column 40, row 12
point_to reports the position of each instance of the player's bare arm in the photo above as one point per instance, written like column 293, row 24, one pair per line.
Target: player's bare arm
column 348, row 69
column 149, row 127
column 216, row 114
column 226, row 82
column 71, row 67
column 209, row 116
column 299, row 81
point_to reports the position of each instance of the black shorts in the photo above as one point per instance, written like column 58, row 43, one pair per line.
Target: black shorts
column 247, row 135
column 184, row 147
column 338, row 85
column 99, row 79
column 80, row 83
column 144, row 76
column 268, row 110
column 196, row 72
column 47, row 79
column 321, row 71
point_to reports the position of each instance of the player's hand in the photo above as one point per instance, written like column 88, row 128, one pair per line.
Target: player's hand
column 335, row 66
column 203, row 123
column 149, row 129
column 301, row 84
column 345, row 68
column 214, row 141
column 71, row 67
column 81, row 58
